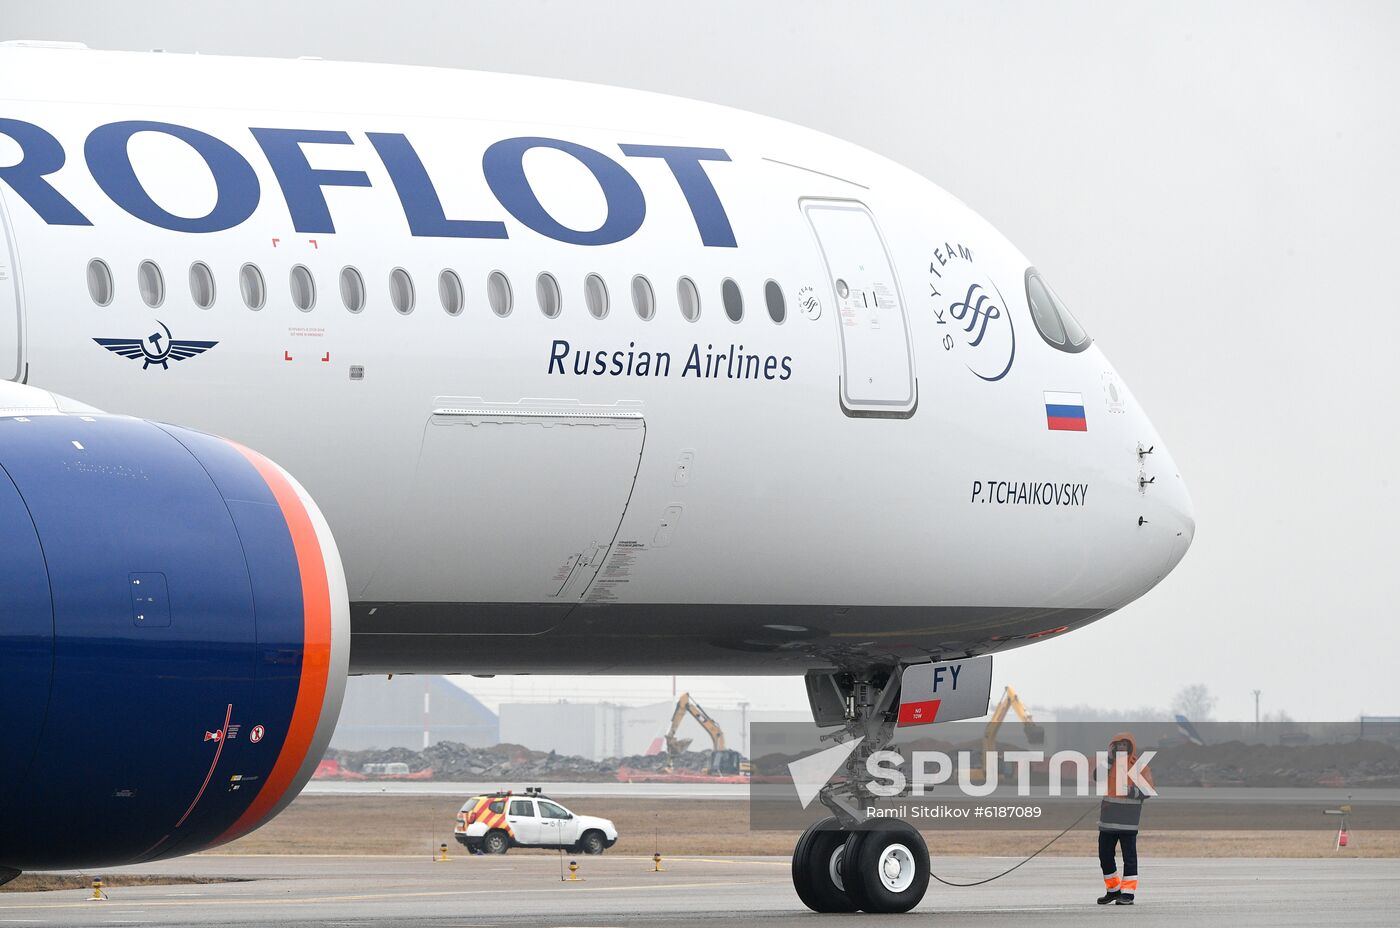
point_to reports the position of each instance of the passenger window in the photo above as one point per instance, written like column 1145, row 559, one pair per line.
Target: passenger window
column 1052, row 318
column 595, row 293
column 303, row 289
column 401, row 292
column 450, row 291
column 733, row 300
column 547, row 292
column 497, row 806
column 99, row 282
column 777, row 303
column 352, row 289
column 250, row 284
column 498, row 294
column 550, row 810
column 643, row 298
column 689, row 297
column 522, row 807
column 202, row 285
column 152, row 283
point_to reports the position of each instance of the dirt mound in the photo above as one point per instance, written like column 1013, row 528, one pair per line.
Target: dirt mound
column 450, row 760
column 1234, row 763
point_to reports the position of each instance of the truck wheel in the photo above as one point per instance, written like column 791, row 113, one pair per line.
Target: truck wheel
column 495, row 842
column 592, row 843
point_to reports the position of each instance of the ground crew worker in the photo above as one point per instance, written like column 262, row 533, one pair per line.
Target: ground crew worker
column 1119, row 815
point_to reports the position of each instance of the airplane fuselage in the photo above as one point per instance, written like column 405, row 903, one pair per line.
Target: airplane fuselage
column 462, row 310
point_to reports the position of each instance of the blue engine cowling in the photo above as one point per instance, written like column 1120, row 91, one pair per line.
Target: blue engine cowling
column 174, row 640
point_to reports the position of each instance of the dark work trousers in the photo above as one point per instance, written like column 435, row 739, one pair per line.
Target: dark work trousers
column 1107, row 840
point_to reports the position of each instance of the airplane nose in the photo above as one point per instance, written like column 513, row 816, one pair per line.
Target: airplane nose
column 1184, row 511
column 1179, row 511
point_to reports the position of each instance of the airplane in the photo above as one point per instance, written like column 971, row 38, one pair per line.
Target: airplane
column 508, row 375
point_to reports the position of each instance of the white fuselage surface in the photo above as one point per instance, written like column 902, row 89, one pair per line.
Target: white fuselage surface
column 583, row 379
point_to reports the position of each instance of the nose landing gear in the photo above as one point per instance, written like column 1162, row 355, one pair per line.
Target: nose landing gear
column 846, row 862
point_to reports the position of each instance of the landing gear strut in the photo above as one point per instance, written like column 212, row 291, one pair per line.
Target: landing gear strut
column 845, row 862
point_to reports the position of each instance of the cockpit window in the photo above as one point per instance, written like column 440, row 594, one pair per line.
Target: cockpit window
column 1055, row 323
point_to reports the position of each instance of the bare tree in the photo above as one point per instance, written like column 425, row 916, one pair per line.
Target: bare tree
column 1195, row 702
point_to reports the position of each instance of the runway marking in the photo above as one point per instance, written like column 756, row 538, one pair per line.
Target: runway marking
column 366, row 897
column 782, row 861
column 779, row 862
column 316, row 856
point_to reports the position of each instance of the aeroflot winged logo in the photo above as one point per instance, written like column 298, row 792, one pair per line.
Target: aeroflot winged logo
column 156, row 348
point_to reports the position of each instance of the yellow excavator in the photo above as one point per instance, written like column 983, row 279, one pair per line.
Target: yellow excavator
column 1034, row 733
column 723, row 761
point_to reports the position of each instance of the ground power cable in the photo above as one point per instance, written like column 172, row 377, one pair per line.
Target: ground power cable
column 1020, row 863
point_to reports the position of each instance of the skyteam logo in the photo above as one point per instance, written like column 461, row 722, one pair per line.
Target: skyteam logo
column 158, row 348
column 980, row 327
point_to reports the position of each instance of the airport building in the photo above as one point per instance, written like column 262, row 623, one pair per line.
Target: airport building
column 411, row 711
column 602, row 730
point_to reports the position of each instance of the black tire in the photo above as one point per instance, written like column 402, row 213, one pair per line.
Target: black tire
column 816, row 868
column 495, row 842
column 886, row 868
column 592, row 842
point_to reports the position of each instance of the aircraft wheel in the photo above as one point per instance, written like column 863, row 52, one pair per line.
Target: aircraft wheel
column 816, row 867
column 886, row 867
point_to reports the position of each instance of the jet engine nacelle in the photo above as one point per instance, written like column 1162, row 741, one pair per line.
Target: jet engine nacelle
column 175, row 635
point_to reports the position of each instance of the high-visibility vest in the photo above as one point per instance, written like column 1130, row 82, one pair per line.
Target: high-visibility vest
column 1121, row 809
column 1121, row 813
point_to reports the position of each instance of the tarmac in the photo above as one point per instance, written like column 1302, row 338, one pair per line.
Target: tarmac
column 526, row 889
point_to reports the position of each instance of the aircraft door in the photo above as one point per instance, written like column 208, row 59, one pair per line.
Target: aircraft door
column 11, row 354
column 877, row 357
column 512, row 503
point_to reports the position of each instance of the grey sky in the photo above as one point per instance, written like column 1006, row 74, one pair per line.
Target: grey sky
column 1212, row 187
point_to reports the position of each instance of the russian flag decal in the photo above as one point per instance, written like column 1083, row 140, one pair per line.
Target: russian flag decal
column 1064, row 412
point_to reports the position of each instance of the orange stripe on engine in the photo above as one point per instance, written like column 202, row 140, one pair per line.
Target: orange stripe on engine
column 316, row 648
